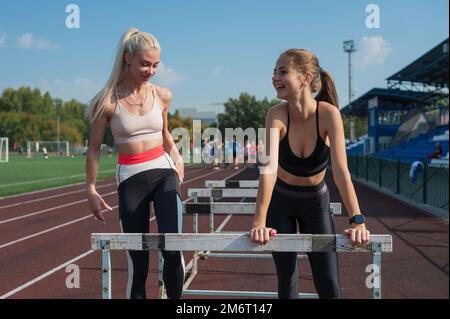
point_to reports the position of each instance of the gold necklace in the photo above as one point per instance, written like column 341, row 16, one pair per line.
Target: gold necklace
column 140, row 105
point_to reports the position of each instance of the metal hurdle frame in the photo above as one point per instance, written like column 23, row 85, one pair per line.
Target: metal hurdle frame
column 229, row 208
column 239, row 188
column 235, row 242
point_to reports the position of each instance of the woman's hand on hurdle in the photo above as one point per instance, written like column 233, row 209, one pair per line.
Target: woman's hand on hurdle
column 97, row 205
column 180, row 169
column 358, row 234
column 261, row 234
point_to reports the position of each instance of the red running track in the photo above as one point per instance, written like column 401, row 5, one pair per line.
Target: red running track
column 42, row 231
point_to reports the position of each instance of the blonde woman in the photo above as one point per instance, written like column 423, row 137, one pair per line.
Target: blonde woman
column 137, row 111
column 292, row 189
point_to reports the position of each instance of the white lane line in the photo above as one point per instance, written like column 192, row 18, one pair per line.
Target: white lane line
column 50, row 272
column 219, row 229
column 50, row 229
column 71, row 222
column 221, row 226
column 76, row 202
column 53, row 196
column 225, row 221
column 50, row 209
column 52, row 179
column 41, row 191
column 26, row 285
column 198, row 177
column 65, row 186
column 45, row 190
column 239, row 171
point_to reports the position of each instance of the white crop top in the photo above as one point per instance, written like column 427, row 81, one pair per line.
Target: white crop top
column 127, row 127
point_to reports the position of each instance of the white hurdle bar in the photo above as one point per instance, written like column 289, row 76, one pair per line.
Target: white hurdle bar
column 234, row 208
column 211, row 208
column 234, row 242
column 227, row 207
column 215, row 194
column 231, row 208
column 232, row 183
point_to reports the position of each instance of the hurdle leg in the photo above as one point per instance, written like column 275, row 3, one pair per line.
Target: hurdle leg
column 161, row 289
column 195, row 254
column 195, row 231
column 195, row 257
column 376, row 279
column 106, row 270
column 211, row 215
column 211, row 222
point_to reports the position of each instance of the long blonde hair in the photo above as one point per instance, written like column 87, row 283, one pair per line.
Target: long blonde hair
column 131, row 41
column 305, row 61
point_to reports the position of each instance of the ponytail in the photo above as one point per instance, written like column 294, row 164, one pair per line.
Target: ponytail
column 327, row 91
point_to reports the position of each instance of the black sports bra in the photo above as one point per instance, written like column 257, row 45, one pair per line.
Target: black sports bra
column 304, row 166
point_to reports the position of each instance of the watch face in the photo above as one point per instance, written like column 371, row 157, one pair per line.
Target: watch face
column 358, row 219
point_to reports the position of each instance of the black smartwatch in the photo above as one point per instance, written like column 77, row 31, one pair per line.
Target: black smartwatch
column 357, row 219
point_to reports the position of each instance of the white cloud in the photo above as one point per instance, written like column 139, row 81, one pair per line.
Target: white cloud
column 81, row 89
column 2, row 38
column 374, row 50
column 216, row 71
column 30, row 41
column 167, row 76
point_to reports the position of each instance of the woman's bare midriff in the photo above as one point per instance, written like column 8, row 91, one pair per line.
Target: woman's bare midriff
column 300, row 181
column 139, row 146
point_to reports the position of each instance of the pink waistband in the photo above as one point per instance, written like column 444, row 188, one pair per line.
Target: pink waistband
column 125, row 159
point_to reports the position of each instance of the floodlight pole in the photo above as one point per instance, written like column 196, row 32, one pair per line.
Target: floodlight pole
column 349, row 47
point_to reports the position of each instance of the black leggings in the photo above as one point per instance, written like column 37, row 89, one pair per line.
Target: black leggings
column 135, row 194
column 309, row 206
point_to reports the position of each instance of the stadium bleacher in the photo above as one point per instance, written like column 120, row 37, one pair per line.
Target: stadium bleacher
column 418, row 149
column 421, row 89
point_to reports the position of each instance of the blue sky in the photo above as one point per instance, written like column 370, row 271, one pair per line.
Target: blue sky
column 212, row 49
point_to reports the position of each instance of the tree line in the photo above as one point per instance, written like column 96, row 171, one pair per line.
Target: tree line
column 28, row 115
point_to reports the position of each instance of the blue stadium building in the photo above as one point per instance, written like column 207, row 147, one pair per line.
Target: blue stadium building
column 409, row 119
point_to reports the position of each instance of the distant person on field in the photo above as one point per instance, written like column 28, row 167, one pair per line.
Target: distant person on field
column 44, row 150
column 217, row 147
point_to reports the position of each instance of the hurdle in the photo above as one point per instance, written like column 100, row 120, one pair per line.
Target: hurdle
column 232, row 183
column 215, row 191
column 106, row 242
column 211, row 208
column 335, row 208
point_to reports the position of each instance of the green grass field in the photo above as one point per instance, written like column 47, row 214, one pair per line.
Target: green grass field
column 22, row 175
